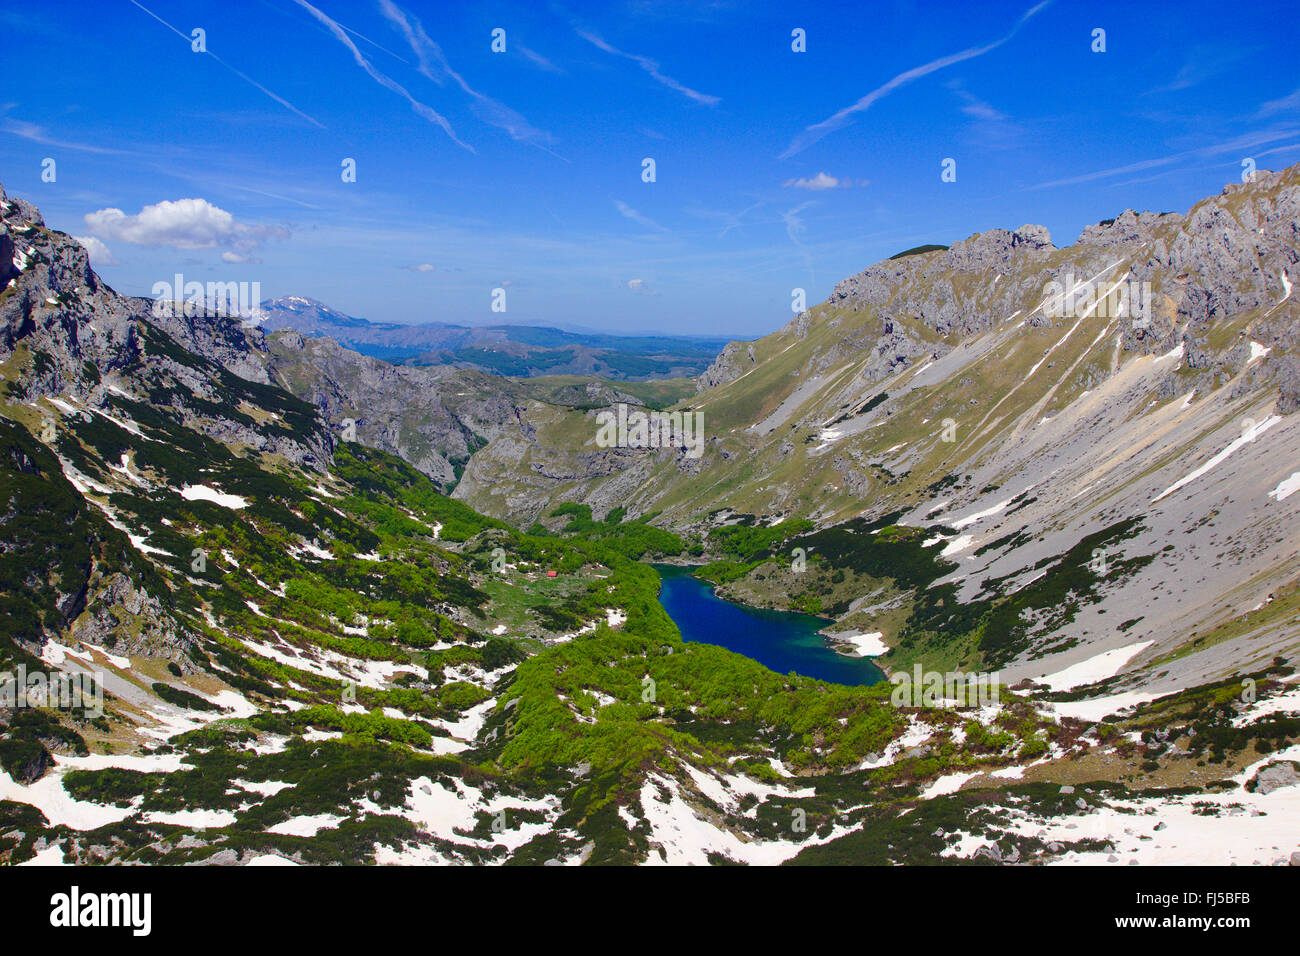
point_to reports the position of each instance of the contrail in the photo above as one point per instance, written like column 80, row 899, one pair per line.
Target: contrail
column 243, row 76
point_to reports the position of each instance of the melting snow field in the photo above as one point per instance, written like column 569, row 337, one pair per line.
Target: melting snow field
column 949, row 783
column 204, row 493
column 1287, row 487
column 867, row 645
column 1099, row 707
column 681, row 836
column 1221, row 457
column 60, row 808
column 979, row 515
column 1233, row 827
column 1101, row 666
column 307, row 826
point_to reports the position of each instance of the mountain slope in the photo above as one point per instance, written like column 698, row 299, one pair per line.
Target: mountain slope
column 936, row 389
column 308, row 654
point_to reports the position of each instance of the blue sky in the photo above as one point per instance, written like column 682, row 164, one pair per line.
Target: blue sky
column 522, row 170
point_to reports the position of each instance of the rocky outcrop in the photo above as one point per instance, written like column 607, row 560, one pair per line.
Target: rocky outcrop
column 223, row 339
column 433, row 417
column 732, row 362
column 127, row 620
column 1275, row 776
column 931, row 287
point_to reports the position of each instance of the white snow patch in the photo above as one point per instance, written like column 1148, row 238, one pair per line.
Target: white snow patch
column 1222, row 456
column 1287, row 487
column 1099, row 707
column 306, row 826
column 50, row 856
column 267, row 788
column 867, row 645
column 48, row 796
column 979, row 515
column 205, row 493
column 198, row 819
column 948, row 783
column 960, row 543
column 1242, row 828
column 680, row 837
column 1099, row 667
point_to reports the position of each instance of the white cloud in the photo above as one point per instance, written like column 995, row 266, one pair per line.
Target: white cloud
column 1236, row 145
column 421, row 267
column 235, row 258
column 181, row 224
column 639, row 287
column 100, row 254
column 435, row 66
column 821, row 181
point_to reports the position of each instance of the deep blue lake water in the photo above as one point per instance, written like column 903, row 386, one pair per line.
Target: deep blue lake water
column 782, row 641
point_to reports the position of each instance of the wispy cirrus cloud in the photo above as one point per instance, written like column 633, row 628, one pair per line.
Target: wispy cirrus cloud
column 433, row 65
column 629, row 213
column 539, row 61
column 38, row 134
column 975, row 107
column 421, row 109
column 795, row 229
column 729, row 220
column 843, row 117
column 991, row 128
column 1285, row 104
column 651, row 67
column 1238, row 145
column 243, row 76
column 794, row 224
column 1204, row 62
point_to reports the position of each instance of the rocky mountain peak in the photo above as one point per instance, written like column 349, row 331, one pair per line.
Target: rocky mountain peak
column 78, row 338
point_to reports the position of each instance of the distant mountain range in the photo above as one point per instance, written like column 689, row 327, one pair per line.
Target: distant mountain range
column 517, row 350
